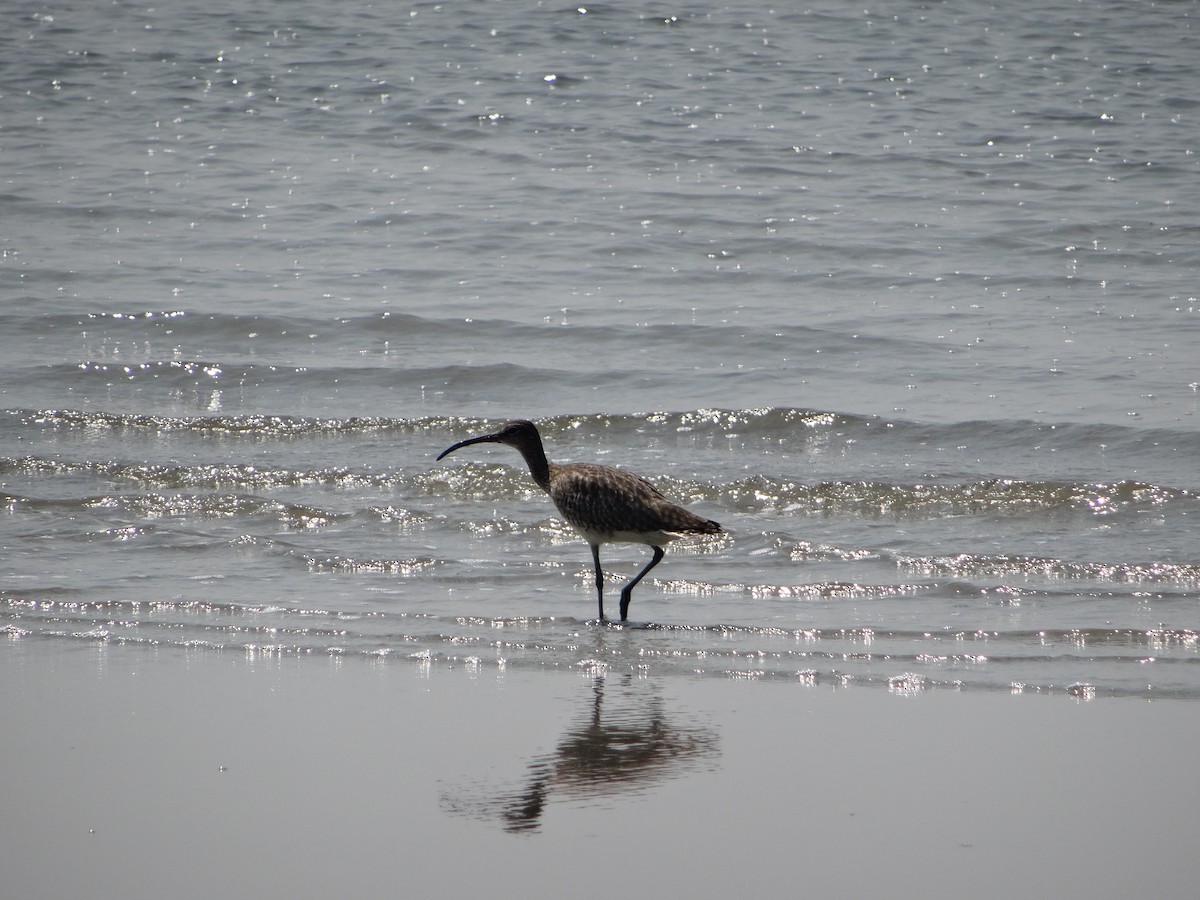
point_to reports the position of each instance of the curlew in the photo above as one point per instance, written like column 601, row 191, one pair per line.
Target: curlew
column 605, row 505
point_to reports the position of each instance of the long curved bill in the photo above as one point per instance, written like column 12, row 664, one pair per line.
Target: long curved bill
column 482, row 439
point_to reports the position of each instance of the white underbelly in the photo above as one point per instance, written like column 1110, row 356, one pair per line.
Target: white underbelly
column 652, row 538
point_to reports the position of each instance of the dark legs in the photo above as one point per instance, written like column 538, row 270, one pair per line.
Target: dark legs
column 599, row 579
column 628, row 589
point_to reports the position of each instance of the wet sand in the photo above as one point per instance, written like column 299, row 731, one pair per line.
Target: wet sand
column 140, row 773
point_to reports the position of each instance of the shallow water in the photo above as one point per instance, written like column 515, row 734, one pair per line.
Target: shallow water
column 905, row 301
column 344, row 776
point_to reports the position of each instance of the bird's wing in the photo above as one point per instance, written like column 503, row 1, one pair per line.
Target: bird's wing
column 603, row 499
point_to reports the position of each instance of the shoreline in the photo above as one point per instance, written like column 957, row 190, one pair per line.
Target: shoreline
column 193, row 773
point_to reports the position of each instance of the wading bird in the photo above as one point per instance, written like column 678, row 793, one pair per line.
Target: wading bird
column 605, row 505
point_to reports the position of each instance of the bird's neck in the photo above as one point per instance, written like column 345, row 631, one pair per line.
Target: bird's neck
column 539, row 467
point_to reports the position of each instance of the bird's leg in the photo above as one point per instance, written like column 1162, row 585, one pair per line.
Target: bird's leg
column 628, row 589
column 599, row 579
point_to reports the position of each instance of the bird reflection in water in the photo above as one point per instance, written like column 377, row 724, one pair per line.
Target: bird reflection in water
column 629, row 748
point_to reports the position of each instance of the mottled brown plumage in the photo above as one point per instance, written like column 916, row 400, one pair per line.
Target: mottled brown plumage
column 605, row 505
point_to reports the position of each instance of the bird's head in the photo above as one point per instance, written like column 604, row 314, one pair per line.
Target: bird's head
column 519, row 433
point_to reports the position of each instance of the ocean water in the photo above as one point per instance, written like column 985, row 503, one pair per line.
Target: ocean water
column 905, row 297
